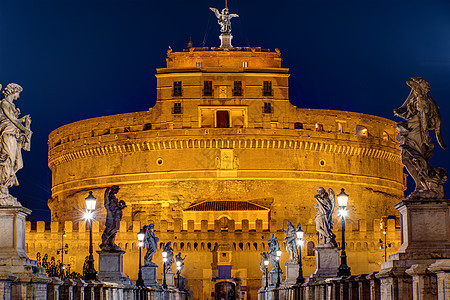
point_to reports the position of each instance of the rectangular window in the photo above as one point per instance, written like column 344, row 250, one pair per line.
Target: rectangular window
column 267, row 108
column 199, row 65
column 245, row 64
column 177, row 88
column 177, row 108
column 267, row 88
column 207, row 88
column 237, row 89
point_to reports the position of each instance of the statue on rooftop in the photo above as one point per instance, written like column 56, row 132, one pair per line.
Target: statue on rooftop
column 290, row 241
column 15, row 135
column 151, row 243
column 224, row 19
column 324, row 221
column 114, row 209
column 421, row 114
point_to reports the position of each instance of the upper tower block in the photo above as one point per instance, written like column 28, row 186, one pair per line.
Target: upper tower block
column 202, row 58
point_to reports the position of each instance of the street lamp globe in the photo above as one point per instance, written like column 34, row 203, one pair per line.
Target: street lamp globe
column 90, row 202
column 342, row 199
column 266, row 262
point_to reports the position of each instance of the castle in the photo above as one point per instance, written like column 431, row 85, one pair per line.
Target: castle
column 220, row 163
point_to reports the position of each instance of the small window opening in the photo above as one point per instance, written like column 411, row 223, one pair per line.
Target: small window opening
column 177, row 108
column 267, row 108
column 199, row 64
column 361, row 130
column 267, row 88
column 147, row 126
column 319, row 127
column 177, row 91
column 207, row 88
column 298, row 125
column 237, row 89
column 245, row 64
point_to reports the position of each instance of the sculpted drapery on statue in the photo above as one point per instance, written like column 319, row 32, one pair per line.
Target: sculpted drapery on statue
column 15, row 135
column 151, row 243
column 421, row 114
column 224, row 19
column 324, row 221
column 290, row 241
column 264, row 256
column 114, row 209
column 169, row 258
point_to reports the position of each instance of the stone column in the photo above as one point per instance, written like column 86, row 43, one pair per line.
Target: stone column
column 423, row 282
column 6, row 280
column 442, row 269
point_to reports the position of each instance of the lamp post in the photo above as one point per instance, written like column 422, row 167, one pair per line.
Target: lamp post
column 300, row 279
column 91, row 274
column 278, row 268
column 266, row 272
column 178, row 273
column 63, row 250
column 164, row 255
column 141, row 236
column 343, row 269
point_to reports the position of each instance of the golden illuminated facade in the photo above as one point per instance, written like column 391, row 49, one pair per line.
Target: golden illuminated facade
column 219, row 164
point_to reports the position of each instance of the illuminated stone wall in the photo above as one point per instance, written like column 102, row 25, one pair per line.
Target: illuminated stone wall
column 205, row 245
column 274, row 155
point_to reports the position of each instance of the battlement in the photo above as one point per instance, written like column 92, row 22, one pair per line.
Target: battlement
column 178, row 226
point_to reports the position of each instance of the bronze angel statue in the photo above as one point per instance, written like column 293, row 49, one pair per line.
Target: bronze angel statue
column 324, row 216
column 151, row 243
column 15, row 135
column 114, row 209
column 224, row 19
column 421, row 114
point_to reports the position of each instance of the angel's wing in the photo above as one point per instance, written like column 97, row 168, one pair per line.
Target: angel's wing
column 332, row 198
column 216, row 11
column 234, row 16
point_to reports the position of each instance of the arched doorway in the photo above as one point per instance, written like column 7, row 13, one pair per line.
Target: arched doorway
column 225, row 290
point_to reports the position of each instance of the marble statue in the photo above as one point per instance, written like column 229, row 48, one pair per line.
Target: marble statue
column 290, row 241
column 15, row 135
column 421, row 114
column 224, row 19
column 264, row 257
column 273, row 248
column 324, row 222
column 114, row 209
column 180, row 262
column 151, row 243
column 169, row 258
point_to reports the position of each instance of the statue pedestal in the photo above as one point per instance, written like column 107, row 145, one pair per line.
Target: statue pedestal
column 225, row 40
column 170, row 278
column 19, row 276
column 273, row 276
column 291, row 273
column 425, row 237
column 110, row 267
column 149, row 276
column 327, row 262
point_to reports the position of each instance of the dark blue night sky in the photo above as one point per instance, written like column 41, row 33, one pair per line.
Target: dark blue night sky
column 79, row 59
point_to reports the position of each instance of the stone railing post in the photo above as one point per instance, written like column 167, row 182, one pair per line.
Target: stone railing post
column 442, row 270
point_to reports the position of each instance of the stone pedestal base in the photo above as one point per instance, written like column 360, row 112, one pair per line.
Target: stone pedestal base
column 110, row 267
column 170, row 279
column 425, row 237
column 149, row 276
column 327, row 262
column 29, row 278
column 273, row 277
column 291, row 273
column 225, row 40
